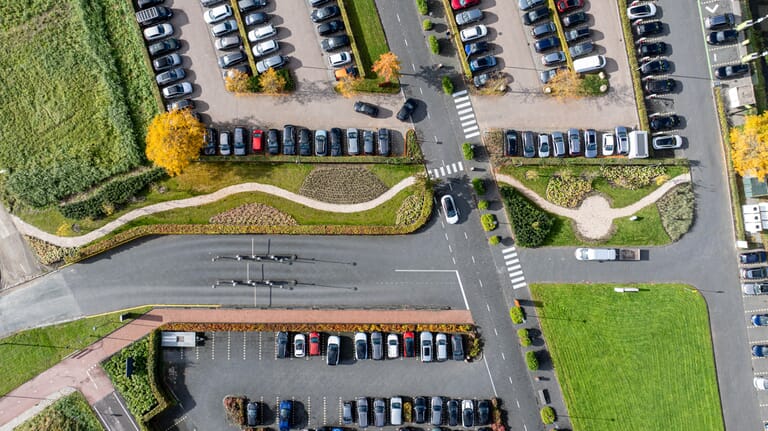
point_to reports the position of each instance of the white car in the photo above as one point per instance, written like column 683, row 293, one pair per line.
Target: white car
column 396, row 410
column 262, row 33
column 219, row 13
column 544, row 145
column 159, row 31
column 333, row 351
column 608, row 144
column 473, row 33
column 760, row 383
column 467, row 413
column 450, row 210
column 299, row 346
column 266, row 47
column 441, row 343
column 667, row 142
column 340, row 59
column 393, row 348
column 646, row 10
column 426, row 346
column 177, row 90
column 361, row 346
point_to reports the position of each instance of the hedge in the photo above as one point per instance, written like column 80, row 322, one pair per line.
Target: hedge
column 447, row 85
column 136, row 390
column 453, row 328
column 116, row 192
column 434, row 44
column 531, row 360
column 154, row 372
column 530, row 224
column 548, row 415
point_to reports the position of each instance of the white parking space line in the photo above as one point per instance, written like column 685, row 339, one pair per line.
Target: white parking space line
column 229, row 345
column 458, row 279
column 245, row 334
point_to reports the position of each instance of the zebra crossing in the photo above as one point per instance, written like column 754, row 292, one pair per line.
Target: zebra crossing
column 514, row 268
column 446, row 170
column 466, row 114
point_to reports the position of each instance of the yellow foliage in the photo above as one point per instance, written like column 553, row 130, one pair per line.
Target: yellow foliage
column 347, row 85
column 237, row 82
column 174, row 139
column 64, row 229
column 387, row 66
column 750, row 146
column 566, row 84
column 271, row 82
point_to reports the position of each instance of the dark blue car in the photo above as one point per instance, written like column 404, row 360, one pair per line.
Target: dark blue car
column 752, row 257
column 285, row 415
column 482, row 63
column 759, row 351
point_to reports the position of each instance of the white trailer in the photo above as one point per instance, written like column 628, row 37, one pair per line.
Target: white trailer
column 178, row 339
column 638, row 144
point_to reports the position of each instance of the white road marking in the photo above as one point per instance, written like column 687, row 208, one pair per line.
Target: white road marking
column 398, row 17
column 516, row 273
column 465, row 234
column 508, row 250
column 490, row 376
column 463, row 105
column 712, row 9
column 450, row 249
column 458, row 278
column 453, row 259
column 448, row 170
column 413, row 66
column 469, row 129
column 125, row 409
column 461, row 168
column 495, row 331
column 458, row 100
column 464, row 111
column 473, row 259
column 442, row 171
column 429, row 116
column 466, row 117
column 468, row 123
column 406, row 42
column 510, row 382
column 503, row 357
column 517, row 280
column 518, row 286
column 488, row 307
column 481, row 282
column 514, row 267
column 459, row 93
column 471, row 135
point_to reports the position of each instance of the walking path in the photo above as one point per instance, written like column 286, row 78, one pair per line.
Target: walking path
column 81, row 370
column 29, row 230
column 594, row 217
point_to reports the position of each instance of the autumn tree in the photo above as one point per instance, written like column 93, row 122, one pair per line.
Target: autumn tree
column 237, row 82
column 387, row 66
column 271, row 82
column 750, row 146
column 347, row 86
column 566, row 84
column 174, row 139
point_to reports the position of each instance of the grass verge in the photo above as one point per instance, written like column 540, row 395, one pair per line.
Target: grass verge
column 71, row 412
column 733, row 179
column 243, row 31
column 561, row 34
column 629, row 45
column 620, row 356
column 28, row 353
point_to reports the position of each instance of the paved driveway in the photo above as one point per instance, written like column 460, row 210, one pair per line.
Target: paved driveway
column 514, row 47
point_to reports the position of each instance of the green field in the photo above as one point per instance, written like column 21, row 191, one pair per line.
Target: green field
column 633, row 361
column 75, row 89
column 70, row 412
column 29, row 353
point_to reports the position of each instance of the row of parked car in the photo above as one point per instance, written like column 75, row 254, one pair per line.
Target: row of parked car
column 722, row 33
column 571, row 143
column 545, row 33
column 319, row 142
column 471, row 38
column 393, row 347
column 753, row 269
column 458, row 412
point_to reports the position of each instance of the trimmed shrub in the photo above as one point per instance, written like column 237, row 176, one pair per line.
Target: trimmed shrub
column 479, row 185
column 482, row 204
column 548, row 415
column 494, row 240
column 632, row 177
column 421, row 6
column 469, row 152
column 530, row 224
column 488, row 221
column 407, row 411
column 475, row 347
column 568, row 191
column 517, row 315
column 447, row 85
column 427, row 24
column 412, row 148
column 525, row 339
column 531, row 360
column 676, row 210
column 434, row 44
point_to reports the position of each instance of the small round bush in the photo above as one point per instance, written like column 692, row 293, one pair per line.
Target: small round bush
column 482, row 204
column 525, row 339
column 488, row 221
column 434, row 45
column 478, row 185
column 427, row 25
column 531, row 360
column 447, row 85
column 548, row 415
column 516, row 314
column 494, row 240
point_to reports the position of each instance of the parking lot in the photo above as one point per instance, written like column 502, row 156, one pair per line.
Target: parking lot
column 245, row 363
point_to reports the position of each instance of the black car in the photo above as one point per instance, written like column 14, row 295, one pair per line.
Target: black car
column 476, row 48
column 153, row 15
column 649, row 28
column 574, row 19
column 273, row 142
column 330, row 27
column 164, row 47
column 256, row 18
column 655, row 66
column 651, row 48
column 252, row 414
column 482, row 63
column 405, row 112
column 754, row 273
column 664, row 122
column 166, row 62
column 547, row 43
column 510, row 143
column 336, row 142
column 148, row 3
column 419, row 410
column 282, row 344
column 367, row 109
column 751, row 257
column 722, row 37
column 316, row 3
column 576, row 34
column 305, row 142
column 732, row 71
column 325, row 13
column 453, row 413
column 249, row 5
column 289, row 143
column 535, row 15
column 335, row 42
column 180, row 104
column 383, row 142
column 542, row 30
column 718, row 22
column 483, row 412
column 209, row 141
column 660, row 86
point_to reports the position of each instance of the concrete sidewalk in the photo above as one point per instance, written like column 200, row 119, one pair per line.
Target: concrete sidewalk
column 77, row 241
column 81, row 370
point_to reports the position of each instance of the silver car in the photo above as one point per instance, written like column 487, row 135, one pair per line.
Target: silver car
column 558, row 144
column 377, row 348
column 590, row 143
column 353, row 148
column 362, row 412
column 426, row 346
column 274, row 62
column 437, row 408
column 622, row 140
column 441, row 342
column 379, row 412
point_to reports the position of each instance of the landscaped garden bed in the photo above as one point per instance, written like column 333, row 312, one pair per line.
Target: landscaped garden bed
column 70, row 412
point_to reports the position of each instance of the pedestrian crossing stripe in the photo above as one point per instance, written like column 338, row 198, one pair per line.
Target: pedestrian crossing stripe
column 442, row 171
column 515, row 280
column 508, row 250
column 471, row 135
column 518, row 285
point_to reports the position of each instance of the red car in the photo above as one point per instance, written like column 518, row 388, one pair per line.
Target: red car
column 409, row 345
column 314, row 344
column 569, row 5
column 463, row 4
column 257, row 144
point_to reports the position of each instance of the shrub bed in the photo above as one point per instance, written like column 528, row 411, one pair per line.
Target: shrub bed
column 479, row 185
column 530, row 224
column 421, row 6
column 412, row 147
column 488, row 221
column 254, row 214
column 48, row 254
column 136, row 389
column 632, row 177
column 409, row 210
column 676, row 210
column 342, row 185
column 71, row 412
column 234, row 406
column 427, row 25
column 568, row 191
column 548, row 415
column 454, row 328
column 103, row 200
column 525, row 338
column 531, row 360
column 154, row 362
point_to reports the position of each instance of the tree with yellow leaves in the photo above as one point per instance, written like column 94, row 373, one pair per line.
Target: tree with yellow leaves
column 271, row 82
column 387, row 66
column 750, row 146
column 347, row 86
column 237, row 82
column 174, row 139
column 566, row 84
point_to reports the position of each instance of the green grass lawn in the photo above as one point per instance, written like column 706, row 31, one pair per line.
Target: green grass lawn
column 629, row 362
column 369, row 35
column 645, row 231
column 70, row 412
column 28, row 353
column 66, row 120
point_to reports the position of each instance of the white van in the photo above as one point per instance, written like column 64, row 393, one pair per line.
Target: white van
column 638, row 144
column 589, row 64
